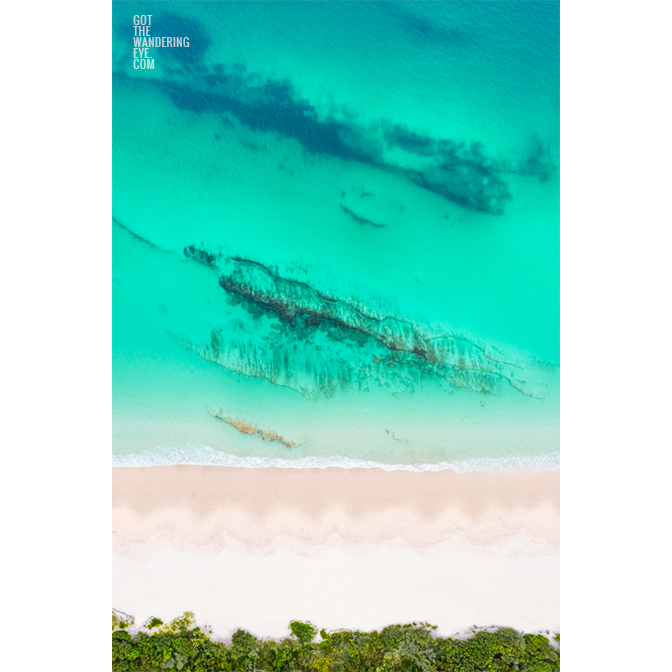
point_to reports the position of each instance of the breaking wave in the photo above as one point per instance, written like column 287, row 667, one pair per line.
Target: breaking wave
column 192, row 454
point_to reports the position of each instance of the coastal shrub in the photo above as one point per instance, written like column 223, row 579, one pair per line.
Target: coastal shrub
column 121, row 620
column 396, row 648
column 539, row 655
column 304, row 632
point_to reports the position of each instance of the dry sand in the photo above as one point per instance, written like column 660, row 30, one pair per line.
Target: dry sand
column 356, row 548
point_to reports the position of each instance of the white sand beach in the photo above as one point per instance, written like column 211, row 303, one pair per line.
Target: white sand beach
column 354, row 548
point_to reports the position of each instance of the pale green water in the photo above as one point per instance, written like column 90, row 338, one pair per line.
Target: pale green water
column 193, row 167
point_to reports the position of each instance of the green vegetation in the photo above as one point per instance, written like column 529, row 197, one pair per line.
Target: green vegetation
column 121, row 620
column 304, row 632
column 396, row 648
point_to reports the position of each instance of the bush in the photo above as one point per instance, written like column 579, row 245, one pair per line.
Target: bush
column 304, row 632
column 397, row 648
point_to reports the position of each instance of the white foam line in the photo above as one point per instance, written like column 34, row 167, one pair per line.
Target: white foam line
column 205, row 456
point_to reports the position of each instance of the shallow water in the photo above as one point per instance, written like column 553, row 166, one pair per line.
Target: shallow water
column 310, row 250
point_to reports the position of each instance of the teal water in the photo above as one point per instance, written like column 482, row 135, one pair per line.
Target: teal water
column 337, row 223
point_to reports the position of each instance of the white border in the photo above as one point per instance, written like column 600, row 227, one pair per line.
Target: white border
column 56, row 332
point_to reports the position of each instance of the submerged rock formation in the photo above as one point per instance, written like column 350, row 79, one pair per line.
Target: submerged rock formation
column 461, row 174
column 471, row 185
column 247, row 428
column 359, row 219
column 539, row 160
column 303, row 339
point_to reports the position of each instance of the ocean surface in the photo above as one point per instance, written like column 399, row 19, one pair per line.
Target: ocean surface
column 335, row 235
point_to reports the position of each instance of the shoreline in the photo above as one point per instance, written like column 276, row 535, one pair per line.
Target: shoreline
column 216, row 507
column 208, row 457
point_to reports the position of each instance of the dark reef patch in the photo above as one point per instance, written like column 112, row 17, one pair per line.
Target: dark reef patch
column 288, row 332
column 398, row 136
column 468, row 183
column 539, row 161
column 270, row 107
column 201, row 256
column 315, row 343
column 462, row 175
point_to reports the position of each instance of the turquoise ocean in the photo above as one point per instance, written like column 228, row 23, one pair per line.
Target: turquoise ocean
column 335, row 234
